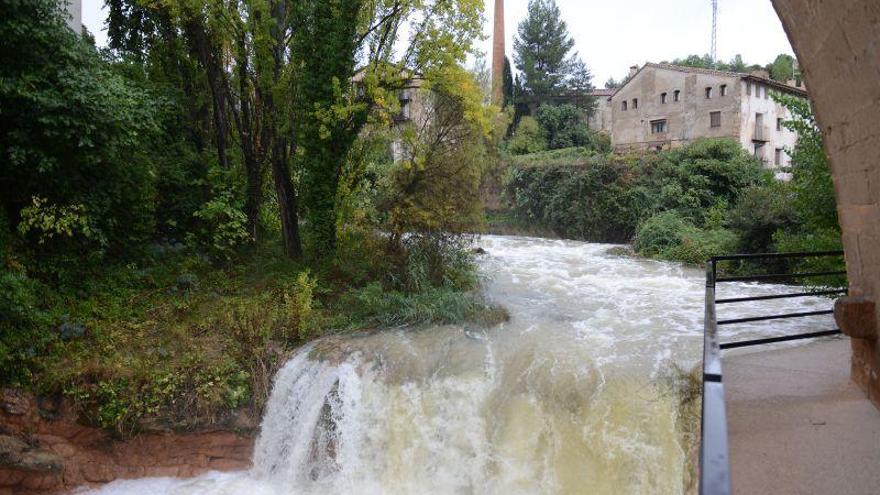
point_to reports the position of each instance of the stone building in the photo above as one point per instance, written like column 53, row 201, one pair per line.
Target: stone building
column 663, row 106
column 600, row 120
column 74, row 14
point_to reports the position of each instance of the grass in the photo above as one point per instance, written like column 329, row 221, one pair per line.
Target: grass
column 175, row 342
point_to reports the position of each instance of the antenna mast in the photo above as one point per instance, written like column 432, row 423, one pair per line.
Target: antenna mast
column 714, row 49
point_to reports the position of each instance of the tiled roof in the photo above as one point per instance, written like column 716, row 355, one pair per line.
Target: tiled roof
column 712, row 72
column 602, row 92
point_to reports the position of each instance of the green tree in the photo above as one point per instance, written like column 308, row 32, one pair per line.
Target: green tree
column 811, row 175
column 329, row 39
column 563, row 125
column 782, row 68
column 279, row 78
column 543, row 54
column 507, row 85
column 527, row 138
column 75, row 137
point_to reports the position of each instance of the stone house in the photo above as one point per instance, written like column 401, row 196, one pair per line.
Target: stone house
column 74, row 14
column 600, row 120
column 663, row 106
column 415, row 106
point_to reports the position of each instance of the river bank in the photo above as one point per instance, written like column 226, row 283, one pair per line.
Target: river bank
column 45, row 449
column 576, row 393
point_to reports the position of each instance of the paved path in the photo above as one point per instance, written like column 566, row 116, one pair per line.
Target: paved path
column 797, row 424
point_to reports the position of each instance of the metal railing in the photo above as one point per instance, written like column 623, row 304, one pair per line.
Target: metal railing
column 714, row 454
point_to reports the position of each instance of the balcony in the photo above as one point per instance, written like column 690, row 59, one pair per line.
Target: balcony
column 762, row 134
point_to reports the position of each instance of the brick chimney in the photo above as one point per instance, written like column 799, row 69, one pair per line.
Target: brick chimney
column 498, row 55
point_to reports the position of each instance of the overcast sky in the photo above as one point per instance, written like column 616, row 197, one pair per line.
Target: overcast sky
column 612, row 35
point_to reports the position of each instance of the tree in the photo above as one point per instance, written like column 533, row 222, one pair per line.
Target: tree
column 782, row 68
column 507, row 85
column 329, row 39
column 811, row 175
column 736, row 64
column 75, row 136
column 563, row 126
column 543, row 54
column 279, row 78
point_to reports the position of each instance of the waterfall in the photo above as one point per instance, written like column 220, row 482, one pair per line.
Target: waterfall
column 567, row 397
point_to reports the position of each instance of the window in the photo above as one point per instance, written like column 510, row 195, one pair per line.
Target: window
column 777, row 157
column 635, row 103
column 714, row 119
column 404, row 99
column 663, row 98
column 676, row 95
column 709, row 92
column 759, row 151
column 623, row 105
column 757, row 90
column 658, row 126
column 748, row 88
column 778, row 124
column 723, row 90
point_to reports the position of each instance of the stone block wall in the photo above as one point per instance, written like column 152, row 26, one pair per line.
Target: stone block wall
column 838, row 46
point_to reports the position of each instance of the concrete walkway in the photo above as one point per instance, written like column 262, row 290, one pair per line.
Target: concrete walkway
column 797, row 425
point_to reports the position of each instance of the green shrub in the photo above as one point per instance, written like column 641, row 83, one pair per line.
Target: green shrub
column 223, row 227
column 23, row 333
column 697, row 245
column 669, row 236
column 660, row 233
column 759, row 212
column 74, row 136
column 580, row 194
column 527, row 138
column 564, row 126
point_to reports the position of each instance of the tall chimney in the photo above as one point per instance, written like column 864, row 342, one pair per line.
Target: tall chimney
column 498, row 55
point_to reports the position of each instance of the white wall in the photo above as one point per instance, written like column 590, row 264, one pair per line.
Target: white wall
column 760, row 101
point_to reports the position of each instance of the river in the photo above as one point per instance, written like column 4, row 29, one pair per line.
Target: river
column 571, row 395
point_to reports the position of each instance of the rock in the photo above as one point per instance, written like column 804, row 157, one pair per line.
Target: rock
column 625, row 250
column 14, row 402
column 60, row 454
column 11, row 450
column 41, row 461
column 478, row 251
column 70, row 331
column 16, row 454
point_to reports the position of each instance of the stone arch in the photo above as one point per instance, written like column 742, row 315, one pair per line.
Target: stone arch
column 837, row 43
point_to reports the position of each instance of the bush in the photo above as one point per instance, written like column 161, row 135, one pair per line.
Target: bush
column 74, row 136
column 660, row 233
column 580, row 194
column 589, row 201
column 759, row 212
column 698, row 245
column 527, row 138
column 669, row 236
column 22, row 327
column 563, row 125
column 222, row 229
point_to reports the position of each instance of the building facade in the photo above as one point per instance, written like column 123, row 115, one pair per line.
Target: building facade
column 601, row 119
column 664, row 106
column 74, row 14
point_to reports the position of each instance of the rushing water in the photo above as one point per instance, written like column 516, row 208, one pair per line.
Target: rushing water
column 564, row 398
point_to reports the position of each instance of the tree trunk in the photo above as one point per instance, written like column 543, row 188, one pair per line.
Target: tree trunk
column 253, row 159
column 201, row 46
column 288, row 204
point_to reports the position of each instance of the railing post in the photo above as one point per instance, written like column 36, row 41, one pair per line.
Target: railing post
column 714, row 458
